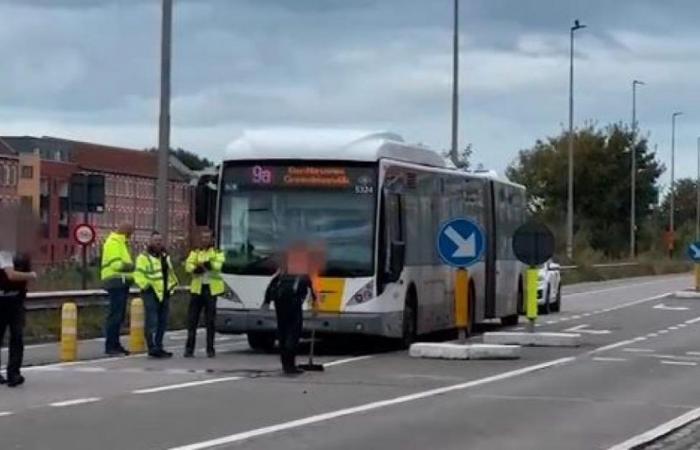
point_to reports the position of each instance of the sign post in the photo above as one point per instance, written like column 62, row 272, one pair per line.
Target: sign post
column 694, row 254
column 460, row 244
column 533, row 244
column 84, row 235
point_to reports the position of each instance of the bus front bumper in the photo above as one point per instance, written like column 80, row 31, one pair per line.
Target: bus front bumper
column 238, row 321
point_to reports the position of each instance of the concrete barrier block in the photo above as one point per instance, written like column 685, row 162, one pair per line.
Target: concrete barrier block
column 542, row 339
column 452, row 350
column 687, row 294
column 491, row 351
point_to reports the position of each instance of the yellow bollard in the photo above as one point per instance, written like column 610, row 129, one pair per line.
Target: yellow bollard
column 137, row 343
column 462, row 302
column 531, row 293
column 697, row 277
column 69, row 332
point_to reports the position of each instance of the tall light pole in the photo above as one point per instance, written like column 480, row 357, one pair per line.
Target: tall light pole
column 697, row 201
column 633, row 174
column 570, row 200
column 164, row 122
column 673, row 173
column 455, row 84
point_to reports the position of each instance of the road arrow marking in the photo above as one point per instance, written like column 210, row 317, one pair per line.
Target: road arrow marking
column 696, row 251
column 466, row 248
column 671, row 308
column 584, row 329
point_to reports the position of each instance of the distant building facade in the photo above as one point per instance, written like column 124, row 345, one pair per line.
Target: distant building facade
column 9, row 167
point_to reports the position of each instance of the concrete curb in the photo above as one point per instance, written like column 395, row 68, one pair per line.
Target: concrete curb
column 533, row 339
column 451, row 350
column 687, row 294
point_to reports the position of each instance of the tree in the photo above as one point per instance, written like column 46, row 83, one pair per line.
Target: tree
column 463, row 157
column 190, row 159
column 601, row 183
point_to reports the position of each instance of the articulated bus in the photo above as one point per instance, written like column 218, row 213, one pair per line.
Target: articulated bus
column 377, row 203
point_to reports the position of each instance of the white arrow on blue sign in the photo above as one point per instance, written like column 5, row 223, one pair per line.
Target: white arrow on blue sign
column 460, row 242
column 694, row 251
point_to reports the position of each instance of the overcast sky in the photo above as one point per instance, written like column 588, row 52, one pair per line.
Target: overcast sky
column 88, row 69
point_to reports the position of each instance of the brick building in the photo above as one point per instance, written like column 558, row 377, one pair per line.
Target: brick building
column 130, row 180
column 9, row 174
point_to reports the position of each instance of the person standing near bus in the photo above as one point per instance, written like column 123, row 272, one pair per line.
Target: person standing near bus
column 117, row 276
column 204, row 263
column 155, row 277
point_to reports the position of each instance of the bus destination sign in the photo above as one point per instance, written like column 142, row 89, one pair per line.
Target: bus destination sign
column 361, row 180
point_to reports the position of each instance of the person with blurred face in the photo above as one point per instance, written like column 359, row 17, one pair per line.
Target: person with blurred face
column 117, row 276
column 204, row 263
column 155, row 277
column 15, row 273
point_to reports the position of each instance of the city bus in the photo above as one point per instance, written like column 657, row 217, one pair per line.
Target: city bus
column 377, row 204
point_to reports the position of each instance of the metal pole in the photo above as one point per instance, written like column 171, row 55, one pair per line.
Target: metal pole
column 455, row 84
column 570, row 193
column 164, row 123
column 83, row 281
column 671, row 228
column 633, row 174
column 697, row 202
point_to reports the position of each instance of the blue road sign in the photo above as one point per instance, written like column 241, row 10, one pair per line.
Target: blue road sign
column 460, row 242
column 694, row 251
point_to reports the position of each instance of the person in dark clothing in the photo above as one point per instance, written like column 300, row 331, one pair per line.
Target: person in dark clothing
column 289, row 292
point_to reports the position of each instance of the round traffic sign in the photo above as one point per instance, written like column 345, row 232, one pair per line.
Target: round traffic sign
column 84, row 234
column 533, row 243
column 460, row 242
column 694, row 251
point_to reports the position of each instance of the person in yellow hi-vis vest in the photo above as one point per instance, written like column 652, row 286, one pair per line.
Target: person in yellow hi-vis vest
column 116, row 273
column 204, row 263
column 155, row 276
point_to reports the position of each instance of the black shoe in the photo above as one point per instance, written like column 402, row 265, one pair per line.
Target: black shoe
column 15, row 381
column 155, row 355
column 123, row 351
column 2, row 380
column 114, row 352
column 211, row 353
column 165, row 354
column 293, row 371
column 188, row 354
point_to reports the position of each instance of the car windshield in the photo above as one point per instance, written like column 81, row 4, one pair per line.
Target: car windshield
column 257, row 221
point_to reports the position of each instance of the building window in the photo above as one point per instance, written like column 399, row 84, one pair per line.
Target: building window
column 27, row 172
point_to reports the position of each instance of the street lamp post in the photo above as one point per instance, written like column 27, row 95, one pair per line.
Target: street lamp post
column 164, row 122
column 697, row 195
column 671, row 218
column 633, row 174
column 570, row 200
column 455, row 83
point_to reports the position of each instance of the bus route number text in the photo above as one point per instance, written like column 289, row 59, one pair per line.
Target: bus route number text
column 262, row 175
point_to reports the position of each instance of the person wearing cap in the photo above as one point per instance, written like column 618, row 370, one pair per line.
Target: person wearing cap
column 204, row 263
column 155, row 277
column 117, row 276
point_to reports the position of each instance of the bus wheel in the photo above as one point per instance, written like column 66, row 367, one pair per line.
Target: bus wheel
column 410, row 321
column 261, row 341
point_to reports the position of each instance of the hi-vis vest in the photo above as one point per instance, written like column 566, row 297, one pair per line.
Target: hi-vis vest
column 115, row 254
column 216, row 259
column 149, row 274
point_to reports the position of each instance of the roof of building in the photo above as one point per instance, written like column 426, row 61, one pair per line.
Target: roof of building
column 316, row 144
column 6, row 150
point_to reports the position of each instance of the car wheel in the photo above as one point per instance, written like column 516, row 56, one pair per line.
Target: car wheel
column 556, row 306
column 261, row 341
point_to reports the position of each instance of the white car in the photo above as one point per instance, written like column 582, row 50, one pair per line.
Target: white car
column 549, row 287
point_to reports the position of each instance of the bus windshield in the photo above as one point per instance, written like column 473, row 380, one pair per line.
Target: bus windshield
column 263, row 207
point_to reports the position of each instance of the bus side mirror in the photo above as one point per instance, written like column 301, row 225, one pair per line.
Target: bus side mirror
column 397, row 259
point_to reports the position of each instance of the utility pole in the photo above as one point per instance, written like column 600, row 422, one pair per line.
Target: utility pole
column 570, row 197
column 697, row 195
column 163, row 200
column 455, row 85
column 633, row 174
column 672, row 211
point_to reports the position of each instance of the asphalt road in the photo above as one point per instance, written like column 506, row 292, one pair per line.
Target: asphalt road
column 637, row 368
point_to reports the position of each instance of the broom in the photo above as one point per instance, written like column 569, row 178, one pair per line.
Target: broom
column 311, row 367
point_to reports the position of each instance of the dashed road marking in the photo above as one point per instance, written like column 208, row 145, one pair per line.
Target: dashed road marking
column 679, row 363
column 692, row 353
column 637, row 350
column 77, row 401
column 663, row 331
column 6, row 413
column 346, row 360
column 172, row 387
column 609, row 359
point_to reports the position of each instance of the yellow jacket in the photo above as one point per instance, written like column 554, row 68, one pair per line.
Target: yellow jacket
column 149, row 275
column 115, row 258
column 216, row 260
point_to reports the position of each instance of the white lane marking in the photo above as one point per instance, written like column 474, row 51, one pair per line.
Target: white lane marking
column 659, row 431
column 638, row 350
column 77, row 401
column 172, row 387
column 238, row 437
column 653, row 335
column 347, row 360
column 575, row 317
column 673, row 328
column 663, row 331
column 692, row 353
column 585, row 315
column 600, row 291
column 612, row 346
column 679, row 363
column 639, row 339
column 663, row 307
column 564, row 319
column 550, row 322
column 692, row 321
column 583, row 328
column 519, row 329
column 6, row 413
column 608, row 359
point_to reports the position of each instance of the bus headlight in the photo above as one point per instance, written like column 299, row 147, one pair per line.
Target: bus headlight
column 363, row 295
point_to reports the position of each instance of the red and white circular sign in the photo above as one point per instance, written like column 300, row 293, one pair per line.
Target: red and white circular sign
column 84, row 234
